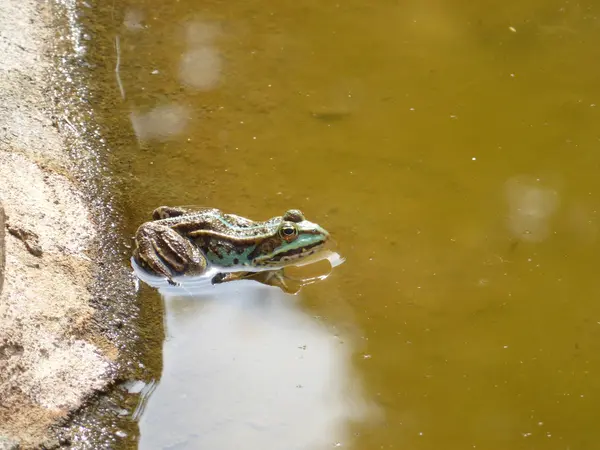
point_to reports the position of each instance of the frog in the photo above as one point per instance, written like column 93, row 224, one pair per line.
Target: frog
column 189, row 240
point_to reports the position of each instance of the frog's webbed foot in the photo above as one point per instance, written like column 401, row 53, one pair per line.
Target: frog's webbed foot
column 263, row 276
column 225, row 277
column 165, row 252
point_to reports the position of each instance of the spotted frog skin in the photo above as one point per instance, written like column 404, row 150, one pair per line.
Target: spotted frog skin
column 186, row 241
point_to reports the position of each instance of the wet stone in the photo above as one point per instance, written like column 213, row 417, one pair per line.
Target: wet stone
column 50, row 444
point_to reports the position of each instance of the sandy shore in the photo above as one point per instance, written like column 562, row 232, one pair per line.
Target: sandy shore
column 51, row 356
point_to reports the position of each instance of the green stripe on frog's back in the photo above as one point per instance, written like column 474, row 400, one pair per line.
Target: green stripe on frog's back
column 223, row 225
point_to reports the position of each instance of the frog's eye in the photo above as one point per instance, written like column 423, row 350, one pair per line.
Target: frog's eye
column 288, row 232
column 293, row 215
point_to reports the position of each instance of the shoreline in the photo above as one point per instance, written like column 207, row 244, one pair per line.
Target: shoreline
column 58, row 343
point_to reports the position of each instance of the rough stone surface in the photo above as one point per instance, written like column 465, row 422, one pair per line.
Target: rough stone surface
column 51, row 359
column 8, row 444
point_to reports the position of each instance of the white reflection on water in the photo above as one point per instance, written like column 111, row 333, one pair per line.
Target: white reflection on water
column 133, row 20
column 201, row 65
column 201, row 68
column 245, row 367
column 160, row 123
column 199, row 32
column 531, row 207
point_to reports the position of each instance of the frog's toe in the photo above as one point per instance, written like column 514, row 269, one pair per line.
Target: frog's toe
column 172, row 282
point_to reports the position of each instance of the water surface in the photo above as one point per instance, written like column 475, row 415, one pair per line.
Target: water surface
column 246, row 365
column 451, row 149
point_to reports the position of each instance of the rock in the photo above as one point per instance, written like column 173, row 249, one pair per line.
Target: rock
column 2, row 255
column 51, row 444
column 8, row 444
column 52, row 355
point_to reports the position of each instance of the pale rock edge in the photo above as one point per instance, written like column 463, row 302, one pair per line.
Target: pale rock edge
column 51, row 357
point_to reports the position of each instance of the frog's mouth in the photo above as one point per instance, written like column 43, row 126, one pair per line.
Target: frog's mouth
column 294, row 254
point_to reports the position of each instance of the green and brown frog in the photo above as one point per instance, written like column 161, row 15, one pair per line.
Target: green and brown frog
column 187, row 241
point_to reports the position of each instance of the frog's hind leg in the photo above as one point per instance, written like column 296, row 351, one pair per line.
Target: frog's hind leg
column 165, row 252
column 166, row 212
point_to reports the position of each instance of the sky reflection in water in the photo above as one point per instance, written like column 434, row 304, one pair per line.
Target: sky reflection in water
column 244, row 364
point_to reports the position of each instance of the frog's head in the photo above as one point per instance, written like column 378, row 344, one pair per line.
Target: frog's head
column 293, row 239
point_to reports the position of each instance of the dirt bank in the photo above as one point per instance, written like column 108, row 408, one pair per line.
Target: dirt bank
column 52, row 356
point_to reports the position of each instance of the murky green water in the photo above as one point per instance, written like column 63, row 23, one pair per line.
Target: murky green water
column 452, row 150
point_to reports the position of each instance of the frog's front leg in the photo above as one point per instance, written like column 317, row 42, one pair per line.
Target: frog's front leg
column 225, row 277
column 275, row 278
column 167, row 253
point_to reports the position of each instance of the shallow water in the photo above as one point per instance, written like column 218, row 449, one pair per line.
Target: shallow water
column 247, row 366
column 451, row 150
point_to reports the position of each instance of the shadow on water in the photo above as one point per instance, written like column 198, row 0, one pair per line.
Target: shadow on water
column 245, row 364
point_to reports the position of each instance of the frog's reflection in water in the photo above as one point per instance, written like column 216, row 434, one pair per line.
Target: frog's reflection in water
column 245, row 367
